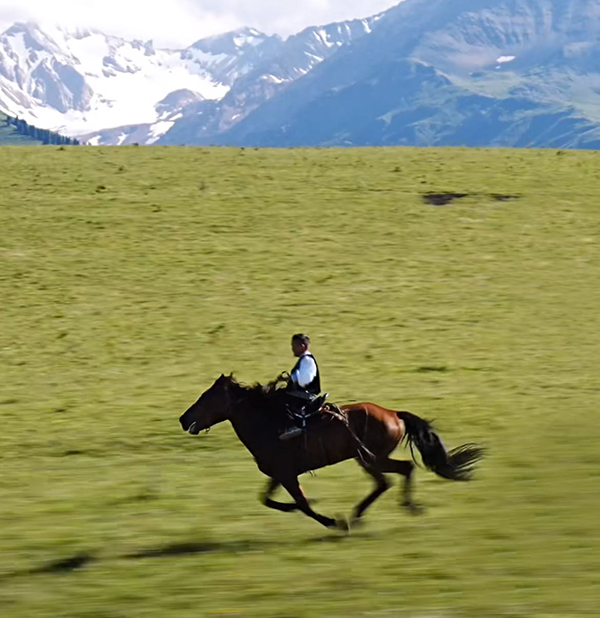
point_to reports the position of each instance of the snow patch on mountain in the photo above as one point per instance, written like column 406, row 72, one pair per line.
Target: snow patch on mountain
column 76, row 82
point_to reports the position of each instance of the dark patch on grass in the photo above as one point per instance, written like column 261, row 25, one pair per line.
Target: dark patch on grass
column 501, row 197
column 325, row 279
column 442, row 199
column 65, row 565
column 431, row 369
column 8, row 402
column 144, row 495
column 217, row 329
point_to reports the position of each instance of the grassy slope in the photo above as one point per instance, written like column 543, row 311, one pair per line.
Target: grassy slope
column 130, row 278
column 10, row 137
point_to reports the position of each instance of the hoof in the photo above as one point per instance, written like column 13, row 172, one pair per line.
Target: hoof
column 342, row 524
column 357, row 522
column 413, row 508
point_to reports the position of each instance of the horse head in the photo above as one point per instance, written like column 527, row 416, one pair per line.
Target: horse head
column 211, row 408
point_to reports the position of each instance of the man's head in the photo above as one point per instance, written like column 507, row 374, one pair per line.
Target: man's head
column 300, row 344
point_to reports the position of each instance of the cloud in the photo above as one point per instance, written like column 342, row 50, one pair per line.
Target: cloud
column 181, row 22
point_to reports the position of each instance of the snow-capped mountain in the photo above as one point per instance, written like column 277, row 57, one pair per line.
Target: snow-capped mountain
column 77, row 82
column 425, row 72
column 107, row 90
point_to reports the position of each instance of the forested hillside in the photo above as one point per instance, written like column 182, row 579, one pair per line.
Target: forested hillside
column 18, row 132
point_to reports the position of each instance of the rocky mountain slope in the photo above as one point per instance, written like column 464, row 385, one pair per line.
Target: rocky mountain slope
column 433, row 72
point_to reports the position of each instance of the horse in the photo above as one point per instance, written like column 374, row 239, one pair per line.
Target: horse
column 367, row 433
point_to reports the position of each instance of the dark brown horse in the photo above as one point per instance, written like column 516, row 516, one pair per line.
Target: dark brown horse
column 370, row 434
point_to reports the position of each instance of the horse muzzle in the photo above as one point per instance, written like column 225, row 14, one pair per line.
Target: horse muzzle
column 193, row 429
column 189, row 427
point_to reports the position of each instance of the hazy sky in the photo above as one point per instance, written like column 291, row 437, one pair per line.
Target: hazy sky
column 181, row 22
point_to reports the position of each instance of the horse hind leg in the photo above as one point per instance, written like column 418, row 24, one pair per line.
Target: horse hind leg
column 381, row 487
column 406, row 469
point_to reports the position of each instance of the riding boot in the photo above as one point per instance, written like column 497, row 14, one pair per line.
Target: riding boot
column 292, row 432
column 295, row 430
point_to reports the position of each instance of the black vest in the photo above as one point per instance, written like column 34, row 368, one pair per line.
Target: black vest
column 314, row 388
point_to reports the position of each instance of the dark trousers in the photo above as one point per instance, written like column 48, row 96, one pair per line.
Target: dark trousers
column 296, row 399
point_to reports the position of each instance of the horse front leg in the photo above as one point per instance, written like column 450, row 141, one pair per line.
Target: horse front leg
column 293, row 488
column 272, row 487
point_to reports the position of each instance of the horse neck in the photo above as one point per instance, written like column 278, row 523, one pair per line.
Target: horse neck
column 244, row 419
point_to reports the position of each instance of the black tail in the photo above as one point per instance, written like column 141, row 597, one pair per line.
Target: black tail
column 456, row 465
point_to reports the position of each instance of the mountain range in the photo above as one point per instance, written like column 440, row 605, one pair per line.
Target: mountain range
column 426, row 72
column 110, row 91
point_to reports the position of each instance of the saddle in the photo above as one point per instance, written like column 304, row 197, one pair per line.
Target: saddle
column 314, row 406
column 312, row 411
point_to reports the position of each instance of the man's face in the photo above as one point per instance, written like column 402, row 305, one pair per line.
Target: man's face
column 298, row 348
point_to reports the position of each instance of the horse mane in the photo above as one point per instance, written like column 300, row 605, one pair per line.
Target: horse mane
column 260, row 393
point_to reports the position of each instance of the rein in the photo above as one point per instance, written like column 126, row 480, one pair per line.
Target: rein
column 337, row 413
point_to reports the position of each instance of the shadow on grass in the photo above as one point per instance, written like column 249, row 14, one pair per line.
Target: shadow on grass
column 60, row 566
column 204, row 547
column 65, row 565
column 79, row 561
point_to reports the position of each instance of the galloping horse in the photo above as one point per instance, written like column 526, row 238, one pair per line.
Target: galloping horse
column 369, row 434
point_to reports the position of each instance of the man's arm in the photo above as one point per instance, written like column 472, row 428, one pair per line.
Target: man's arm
column 306, row 372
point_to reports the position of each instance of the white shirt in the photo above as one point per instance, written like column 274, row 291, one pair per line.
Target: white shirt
column 306, row 372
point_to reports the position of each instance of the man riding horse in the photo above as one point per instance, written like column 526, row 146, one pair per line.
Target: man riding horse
column 304, row 386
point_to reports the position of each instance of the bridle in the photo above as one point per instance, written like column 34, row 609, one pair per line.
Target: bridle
column 228, row 402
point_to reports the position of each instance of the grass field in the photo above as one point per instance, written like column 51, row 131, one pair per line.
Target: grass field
column 131, row 278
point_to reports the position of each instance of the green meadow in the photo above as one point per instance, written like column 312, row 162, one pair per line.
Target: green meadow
column 130, row 278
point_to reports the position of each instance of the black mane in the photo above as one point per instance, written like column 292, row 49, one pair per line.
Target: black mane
column 260, row 394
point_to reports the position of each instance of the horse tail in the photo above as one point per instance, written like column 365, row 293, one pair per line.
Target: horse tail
column 456, row 465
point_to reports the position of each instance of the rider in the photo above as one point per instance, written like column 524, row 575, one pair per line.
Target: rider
column 304, row 384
